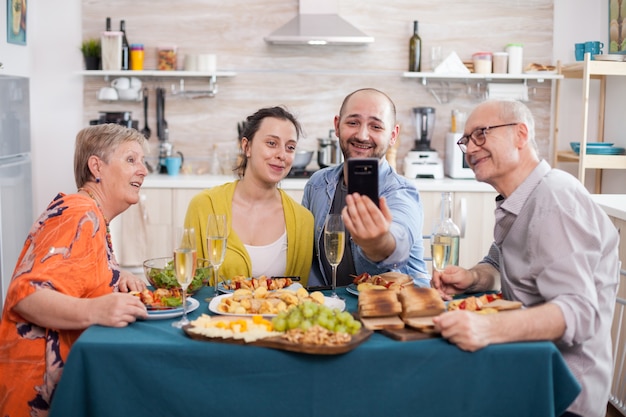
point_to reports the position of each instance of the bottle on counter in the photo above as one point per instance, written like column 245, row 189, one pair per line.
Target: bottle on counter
column 415, row 50
column 446, row 236
column 108, row 24
column 125, row 47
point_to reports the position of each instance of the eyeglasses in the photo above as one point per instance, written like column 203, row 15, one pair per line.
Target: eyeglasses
column 478, row 136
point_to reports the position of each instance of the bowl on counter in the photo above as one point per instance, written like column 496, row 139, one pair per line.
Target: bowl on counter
column 302, row 159
column 160, row 273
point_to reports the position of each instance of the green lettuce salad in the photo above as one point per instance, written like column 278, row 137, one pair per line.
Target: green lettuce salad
column 166, row 277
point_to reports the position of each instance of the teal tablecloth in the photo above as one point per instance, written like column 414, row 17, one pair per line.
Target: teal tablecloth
column 152, row 369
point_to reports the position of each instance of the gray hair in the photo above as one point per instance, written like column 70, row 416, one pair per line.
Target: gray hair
column 101, row 141
column 516, row 111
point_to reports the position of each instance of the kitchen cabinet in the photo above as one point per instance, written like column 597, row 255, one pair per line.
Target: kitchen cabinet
column 589, row 70
column 473, row 213
column 146, row 228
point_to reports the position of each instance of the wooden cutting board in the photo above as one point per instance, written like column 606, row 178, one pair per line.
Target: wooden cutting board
column 407, row 334
column 283, row 344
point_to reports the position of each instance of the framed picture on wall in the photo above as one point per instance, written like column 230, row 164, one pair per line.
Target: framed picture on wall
column 16, row 22
column 617, row 27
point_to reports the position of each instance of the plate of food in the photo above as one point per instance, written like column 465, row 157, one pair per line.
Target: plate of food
column 268, row 303
column 328, row 332
column 393, row 281
column 271, row 283
column 192, row 304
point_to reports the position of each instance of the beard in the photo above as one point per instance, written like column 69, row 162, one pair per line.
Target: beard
column 354, row 148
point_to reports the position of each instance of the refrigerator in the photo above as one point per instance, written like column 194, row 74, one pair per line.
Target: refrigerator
column 16, row 190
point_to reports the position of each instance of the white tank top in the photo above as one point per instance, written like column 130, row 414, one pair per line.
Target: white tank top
column 269, row 260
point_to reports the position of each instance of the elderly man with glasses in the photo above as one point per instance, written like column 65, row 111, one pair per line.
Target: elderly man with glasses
column 554, row 250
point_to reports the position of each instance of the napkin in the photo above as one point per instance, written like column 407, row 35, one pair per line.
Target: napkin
column 451, row 65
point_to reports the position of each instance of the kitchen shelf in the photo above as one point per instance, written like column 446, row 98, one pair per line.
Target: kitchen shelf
column 157, row 74
column 444, row 87
column 181, row 75
column 588, row 70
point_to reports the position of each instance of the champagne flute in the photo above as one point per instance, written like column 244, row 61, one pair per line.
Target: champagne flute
column 185, row 266
column 334, row 243
column 441, row 248
column 217, row 231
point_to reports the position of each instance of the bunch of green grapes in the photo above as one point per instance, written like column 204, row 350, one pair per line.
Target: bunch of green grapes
column 307, row 314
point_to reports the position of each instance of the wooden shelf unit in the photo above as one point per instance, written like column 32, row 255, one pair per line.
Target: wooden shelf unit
column 588, row 70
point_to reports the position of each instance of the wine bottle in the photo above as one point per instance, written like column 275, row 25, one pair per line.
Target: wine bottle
column 445, row 237
column 125, row 47
column 108, row 24
column 415, row 50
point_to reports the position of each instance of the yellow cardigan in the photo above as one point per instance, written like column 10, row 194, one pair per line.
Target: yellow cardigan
column 298, row 220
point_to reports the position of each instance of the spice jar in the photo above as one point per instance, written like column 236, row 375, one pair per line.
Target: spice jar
column 136, row 56
column 166, row 55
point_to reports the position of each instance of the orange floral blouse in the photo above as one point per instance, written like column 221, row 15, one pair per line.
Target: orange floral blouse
column 66, row 250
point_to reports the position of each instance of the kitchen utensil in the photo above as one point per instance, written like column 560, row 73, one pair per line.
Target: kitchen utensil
column 329, row 151
column 301, row 159
column 146, row 130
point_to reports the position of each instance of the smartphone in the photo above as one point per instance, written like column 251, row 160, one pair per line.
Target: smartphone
column 363, row 177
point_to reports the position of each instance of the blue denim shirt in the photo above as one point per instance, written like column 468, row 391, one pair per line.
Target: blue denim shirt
column 408, row 217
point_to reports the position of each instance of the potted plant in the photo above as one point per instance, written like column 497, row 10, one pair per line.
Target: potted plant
column 91, row 53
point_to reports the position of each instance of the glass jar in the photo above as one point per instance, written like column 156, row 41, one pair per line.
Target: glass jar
column 482, row 62
column 136, row 57
column 166, row 55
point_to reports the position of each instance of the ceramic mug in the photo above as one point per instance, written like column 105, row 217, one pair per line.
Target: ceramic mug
column 173, row 164
column 107, row 94
column 579, row 51
column 121, row 83
column 594, row 48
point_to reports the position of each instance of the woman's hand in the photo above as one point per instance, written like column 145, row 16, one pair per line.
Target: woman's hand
column 130, row 282
column 116, row 310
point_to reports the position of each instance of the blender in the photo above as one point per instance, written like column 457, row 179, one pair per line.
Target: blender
column 423, row 161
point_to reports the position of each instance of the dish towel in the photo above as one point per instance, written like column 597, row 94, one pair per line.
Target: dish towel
column 507, row 91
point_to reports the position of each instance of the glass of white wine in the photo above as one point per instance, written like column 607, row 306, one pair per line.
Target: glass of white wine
column 441, row 248
column 217, row 232
column 334, row 242
column 185, row 256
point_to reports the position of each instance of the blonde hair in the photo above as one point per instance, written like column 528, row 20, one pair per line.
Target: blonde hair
column 101, row 141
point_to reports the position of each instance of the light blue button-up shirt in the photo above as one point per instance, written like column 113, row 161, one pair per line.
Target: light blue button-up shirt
column 408, row 218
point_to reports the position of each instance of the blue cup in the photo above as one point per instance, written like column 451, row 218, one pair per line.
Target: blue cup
column 579, row 51
column 173, row 164
column 594, row 48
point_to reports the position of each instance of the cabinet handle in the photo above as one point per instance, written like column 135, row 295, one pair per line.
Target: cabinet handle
column 463, row 204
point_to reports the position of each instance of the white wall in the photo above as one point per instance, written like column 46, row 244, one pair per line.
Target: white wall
column 50, row 58
column 580, row 21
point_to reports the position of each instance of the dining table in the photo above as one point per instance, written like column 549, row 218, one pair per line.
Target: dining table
column 152, row 369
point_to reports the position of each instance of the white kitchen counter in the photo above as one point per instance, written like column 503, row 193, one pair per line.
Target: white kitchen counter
column 613, row 204
column 207, row 181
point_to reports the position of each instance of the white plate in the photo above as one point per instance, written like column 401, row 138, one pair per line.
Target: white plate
column 609, row 57
column 192, row 304
column 220, row 287
column 215, row 302
column 352, row 289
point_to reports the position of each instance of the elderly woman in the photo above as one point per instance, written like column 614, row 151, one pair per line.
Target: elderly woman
column 269, row 233
column 66, row 277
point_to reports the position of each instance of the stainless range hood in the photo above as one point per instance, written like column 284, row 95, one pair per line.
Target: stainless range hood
column 318, row 23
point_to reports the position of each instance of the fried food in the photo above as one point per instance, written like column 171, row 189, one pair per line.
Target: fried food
column 394, row 281
column 241, row 282
column 262, row 301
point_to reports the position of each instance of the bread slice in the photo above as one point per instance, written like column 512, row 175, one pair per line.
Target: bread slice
column 421, row 302
column 423, row 324
column 379, row 303
column 379, row 323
